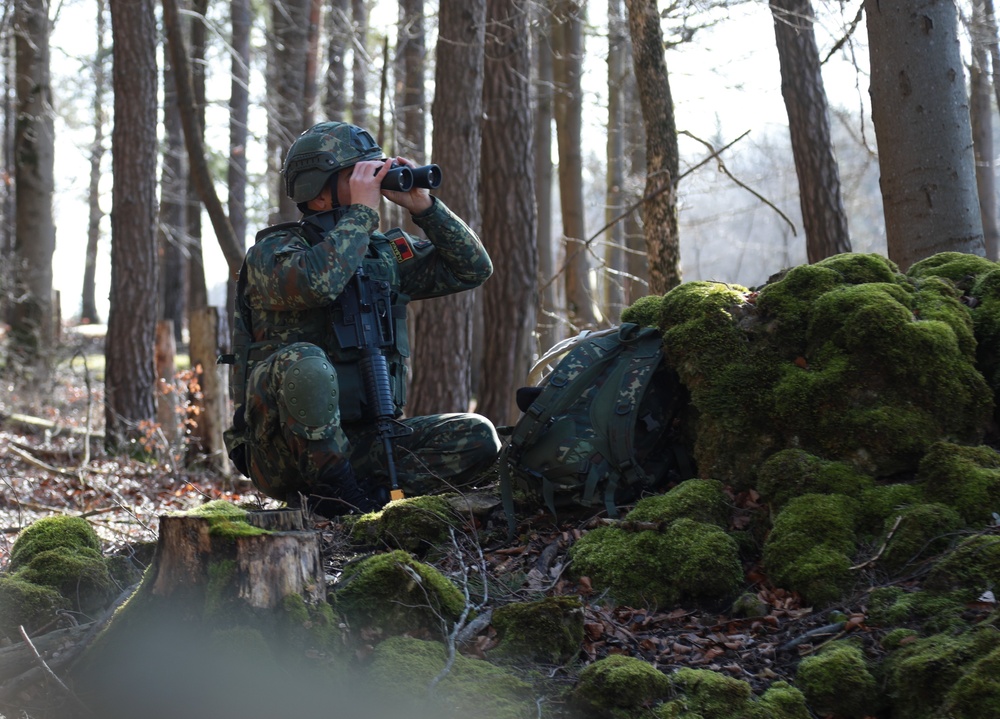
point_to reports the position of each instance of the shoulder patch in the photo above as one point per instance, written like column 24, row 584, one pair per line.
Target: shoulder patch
column 421, row 244
column 401, row 249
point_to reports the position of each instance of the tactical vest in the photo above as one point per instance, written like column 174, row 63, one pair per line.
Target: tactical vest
column 315, row 326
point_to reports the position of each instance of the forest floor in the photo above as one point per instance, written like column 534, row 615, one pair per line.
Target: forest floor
column 48, row 469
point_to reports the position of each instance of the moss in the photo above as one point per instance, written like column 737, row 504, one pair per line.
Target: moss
column 784, row 304
column 549, row 630
column 414, row 524
column 837, row 681
column 619, row 681
column 885, row 502
column 687, row 562
column 783, row 701
column 80, row 575
column 966, row 478
column 645, row 311
column 958, row 267
column 395, row 593
column 699, row 499
column 791, row 473
column 898, row 638
column 405, row 667
column 931, row 611
column 810, row 547
column 923, row 530
column 49, row 533
column 976, row 694
column 970, row 569
column 225, row 519
column 218, row 595
column 986, row 323
column 708, row 695
column 920, row 676
column 25, row 604
column 856, row 268
column 309, row 627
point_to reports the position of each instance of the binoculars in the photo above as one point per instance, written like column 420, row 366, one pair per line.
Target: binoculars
column 403, row 178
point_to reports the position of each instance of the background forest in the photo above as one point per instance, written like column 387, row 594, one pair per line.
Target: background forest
column 595, row 172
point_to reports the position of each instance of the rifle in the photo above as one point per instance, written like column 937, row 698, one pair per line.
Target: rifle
column 366, row 323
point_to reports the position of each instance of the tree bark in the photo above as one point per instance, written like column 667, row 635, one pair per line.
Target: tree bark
column 981, row 114
column 802, row 88
column 339, row 31
column 510, row 297
column 567, row 70
column 359, row 68
column 88, row 303
column 239, row 107
column 32, row 323
column 172, row 226
column 211, row 418
column 549, row 328
column 197, row 290
column 614, row 255
column 130, row 375
column 920, row 109
column 662, row 159
column 442, row 327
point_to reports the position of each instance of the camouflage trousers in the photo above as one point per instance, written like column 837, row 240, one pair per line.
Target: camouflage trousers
column 288, row 457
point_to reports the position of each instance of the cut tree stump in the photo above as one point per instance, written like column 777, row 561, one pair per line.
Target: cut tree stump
column 262, row 568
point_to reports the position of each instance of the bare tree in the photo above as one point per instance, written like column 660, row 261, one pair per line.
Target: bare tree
column 411, row 98
column 197, row 291
column 567, row 70
column 130, row 371
column 510, row 297
column 442, row 327
column 239, row 106
column 172, row 226
column 32, row 321
column 802, row 88
column 339, row 31
column 662, row 156
column 359, row 69
column 88, row 305
column 981, row 113
column 548, row 330
column 614, row 255
column 920, row 109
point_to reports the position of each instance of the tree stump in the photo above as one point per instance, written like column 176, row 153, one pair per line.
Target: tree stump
column 239, row 560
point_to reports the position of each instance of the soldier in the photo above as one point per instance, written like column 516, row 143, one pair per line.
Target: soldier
column 305, row 426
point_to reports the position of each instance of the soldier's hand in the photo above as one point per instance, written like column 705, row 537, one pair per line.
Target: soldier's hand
column 416, row 200
column 366, row 182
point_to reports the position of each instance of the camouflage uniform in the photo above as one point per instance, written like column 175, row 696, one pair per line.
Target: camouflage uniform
column 298, row 434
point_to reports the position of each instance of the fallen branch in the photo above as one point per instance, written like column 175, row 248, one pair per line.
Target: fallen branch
column 37, row 424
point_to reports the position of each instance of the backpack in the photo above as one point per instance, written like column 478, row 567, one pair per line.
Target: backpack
column 602, row 426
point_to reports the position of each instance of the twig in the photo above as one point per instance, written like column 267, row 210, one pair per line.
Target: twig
column 881, row 549
column 52, row 675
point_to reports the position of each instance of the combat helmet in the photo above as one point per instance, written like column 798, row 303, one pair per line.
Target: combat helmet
column 322, row 150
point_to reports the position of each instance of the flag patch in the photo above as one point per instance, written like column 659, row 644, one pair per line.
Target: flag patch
column 401, row 248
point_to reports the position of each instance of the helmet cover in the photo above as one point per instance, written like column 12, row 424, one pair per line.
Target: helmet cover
column 321, row 151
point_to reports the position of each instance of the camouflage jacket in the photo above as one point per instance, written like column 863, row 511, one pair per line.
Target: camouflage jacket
column 294, row 277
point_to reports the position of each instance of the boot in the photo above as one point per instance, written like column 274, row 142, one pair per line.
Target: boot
column 338, row 492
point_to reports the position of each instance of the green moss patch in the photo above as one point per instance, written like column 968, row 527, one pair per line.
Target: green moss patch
column 702, row 500
column 25, row 604
column 791, row 473
column 414, row 524
column 621, row 682
column 838, row 681
column 549, row 630
column 81, row 576
column 225, row 519
column 966, row 478
column 53, row 533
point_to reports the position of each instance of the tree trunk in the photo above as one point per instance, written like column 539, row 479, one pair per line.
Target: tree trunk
column 567, row 70
column 239, row 107
column 197, row 291
column 550, row 328
column 130, row 374
column 172, row 225
column 32, row 323
column 442, row 328
column 920, row 109
column 339, row 30
column 802, row 88
column 88, row 304
column 510, row 297
column 359, row 98
column 637, row 282
column 211, row 418
column 167, row 397
column 614, row 255
column 285, row 94
column 411, row 98
column 981, row 114
column 662, row 159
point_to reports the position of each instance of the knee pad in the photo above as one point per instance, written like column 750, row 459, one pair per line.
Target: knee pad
column 309, row 393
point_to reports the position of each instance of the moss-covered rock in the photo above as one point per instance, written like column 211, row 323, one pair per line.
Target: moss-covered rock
column 931, row 611
column 976, row 694
column 414, row 524
column 25, row 604
column 394, row 593
column 53, row 533
column 963, row 477
column 918, row 532
column 791, row 473
column 645, row 311
column 688, row 561
column 620, row 682
column 838, row 681
column 811, row 545
column 970, row 569
column 404, row 668
column 80, row 575
column 925, row 676
column 708, row 695
column 885, row 502
column 702, row 500
column 782, row 701
column 549, row 630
